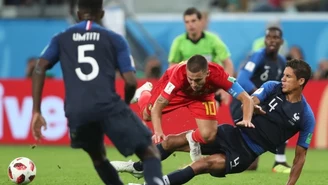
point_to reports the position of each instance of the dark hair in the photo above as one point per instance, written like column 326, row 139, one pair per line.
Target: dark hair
column 197, row 63
column 91, row 5
column 301, row 69
column 192, row 11
column 274, row 28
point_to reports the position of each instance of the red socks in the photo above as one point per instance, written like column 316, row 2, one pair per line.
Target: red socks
column 197, row 137
column 143, row 99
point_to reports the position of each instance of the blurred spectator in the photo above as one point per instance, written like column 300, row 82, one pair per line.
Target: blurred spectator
column 31, row 2
column 268, row 6
column 153, row 68
column 322, row 72
column 230, row 5
column 295, row 52
column 259, row 42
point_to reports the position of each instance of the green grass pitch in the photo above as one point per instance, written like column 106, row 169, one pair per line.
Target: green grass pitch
column 66, row 166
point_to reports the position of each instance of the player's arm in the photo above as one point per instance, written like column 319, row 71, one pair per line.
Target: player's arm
column 222, row 54
column 240, row 94
column 264, row 91
column 126, row 66
column 156, row 115
column 48, row 59
column 246, row 73
column 175, row 55
column 304, row 140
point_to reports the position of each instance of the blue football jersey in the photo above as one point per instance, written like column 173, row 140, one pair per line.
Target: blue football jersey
column 261, row 68
column 89, row 56
column 282, row 120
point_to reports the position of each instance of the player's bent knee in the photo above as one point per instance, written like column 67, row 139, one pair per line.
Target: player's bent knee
column 201, row 166
column 209, row 136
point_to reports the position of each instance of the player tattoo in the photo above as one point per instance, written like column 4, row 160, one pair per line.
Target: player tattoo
column 162, row 100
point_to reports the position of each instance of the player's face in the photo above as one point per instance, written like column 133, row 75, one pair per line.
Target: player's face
column 290, row 83
column 193, row 24
column 197, row 80
column 273, row 40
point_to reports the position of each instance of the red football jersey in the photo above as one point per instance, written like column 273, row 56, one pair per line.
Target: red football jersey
column 177, row 83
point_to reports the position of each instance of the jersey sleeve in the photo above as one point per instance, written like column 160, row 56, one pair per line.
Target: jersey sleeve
column 246, row 73
column 173, row 86
column 265, row 90
column 51, row 51
column 220, row 78
column 175, row 55
column 221, row 50
column 125, row 61
column 307, row 128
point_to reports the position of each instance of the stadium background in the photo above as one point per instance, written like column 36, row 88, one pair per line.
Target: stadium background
column 150, row 27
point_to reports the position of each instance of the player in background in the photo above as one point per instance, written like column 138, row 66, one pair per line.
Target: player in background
column 286, row 113
column 89, row 55
column 198, row 41
column 262, row 66
column 190, row 84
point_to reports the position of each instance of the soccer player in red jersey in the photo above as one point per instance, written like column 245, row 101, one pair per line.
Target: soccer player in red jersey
column 191, row 84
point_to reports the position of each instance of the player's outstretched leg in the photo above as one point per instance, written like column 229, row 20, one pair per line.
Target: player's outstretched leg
column 280, row 165
column 213, row 164
column 151, row 165
column 136, row 168
column 172, row 143
column 145, row 87
column 105, row 170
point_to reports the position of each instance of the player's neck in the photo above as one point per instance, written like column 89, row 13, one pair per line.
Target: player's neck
column 272, row 55
column 195, row 36
column 294, row 97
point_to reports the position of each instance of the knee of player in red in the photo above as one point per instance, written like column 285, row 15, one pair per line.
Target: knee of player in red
column 197, row 137
column 144, row 99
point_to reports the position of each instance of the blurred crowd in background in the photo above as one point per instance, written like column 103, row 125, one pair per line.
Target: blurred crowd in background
column 226, row 5
column 152, row 67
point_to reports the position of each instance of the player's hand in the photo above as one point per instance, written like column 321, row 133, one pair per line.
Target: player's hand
column 258, row 110
column 225, row 97
column 37, row 123
column 158, row 137
column 245, row 123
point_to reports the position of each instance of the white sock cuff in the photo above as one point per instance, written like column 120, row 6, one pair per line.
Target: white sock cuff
column 280, row 158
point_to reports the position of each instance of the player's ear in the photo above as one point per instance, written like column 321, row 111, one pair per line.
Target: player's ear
column 282, row 41
column 301, row 81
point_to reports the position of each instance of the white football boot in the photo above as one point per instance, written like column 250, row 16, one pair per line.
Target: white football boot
column 195, row 151
column 123, row 166
column 145, row 87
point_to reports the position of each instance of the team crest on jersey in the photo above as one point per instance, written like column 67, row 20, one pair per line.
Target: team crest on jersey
column 296, row 117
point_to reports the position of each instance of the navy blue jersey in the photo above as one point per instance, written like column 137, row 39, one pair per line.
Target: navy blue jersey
column 89, row 56
column 260, row 68
column 282, row 119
